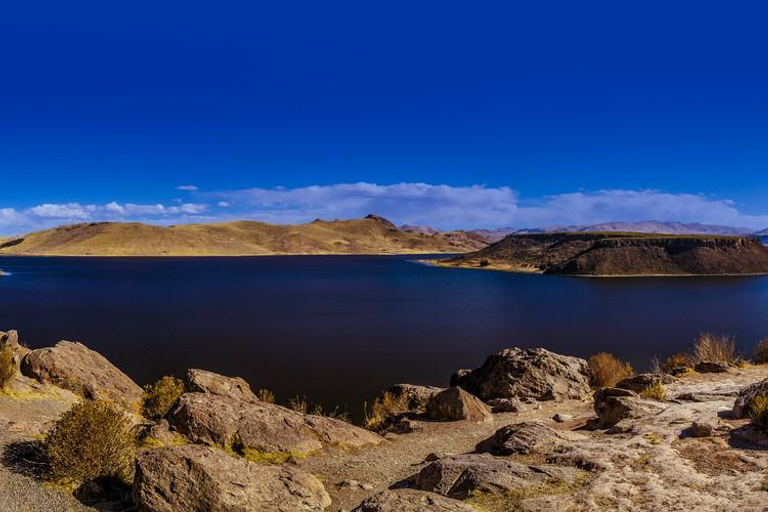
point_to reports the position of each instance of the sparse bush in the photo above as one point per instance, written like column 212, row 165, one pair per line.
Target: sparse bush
column 760, row 353
column 266, row 396
column 654, row 391
column 383, row 409
column 607, row 370
column 758, row 411
column 674, row 363
column 336, row 413
column 299, row 404
column 7, row 367
column 91, row 440
column 158, row 398
column 714, row 347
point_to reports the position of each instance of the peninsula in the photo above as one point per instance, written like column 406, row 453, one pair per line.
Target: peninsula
column 620, row 254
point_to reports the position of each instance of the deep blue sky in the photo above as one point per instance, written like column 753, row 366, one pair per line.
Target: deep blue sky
column 105, row 101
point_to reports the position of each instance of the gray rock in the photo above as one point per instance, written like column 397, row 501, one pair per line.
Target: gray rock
column 460, row 476
column 194, row 478
column 201, row 381
column 638, row 383
column 524, row 438
column 506, row 405
column 261, row 427
column 702, row 429
column 454, row 404
column 746, row 395
column 615, row 404
column 414, row 397
column 751, row 436
column 712, row 367
column 562, row 418
column 75, row 367
column 410, row 500
column 527, row 373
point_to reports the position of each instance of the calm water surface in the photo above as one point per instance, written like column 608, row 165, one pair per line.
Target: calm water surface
column 340, row 328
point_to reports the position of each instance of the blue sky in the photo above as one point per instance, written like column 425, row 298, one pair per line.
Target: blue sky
column 454, row 114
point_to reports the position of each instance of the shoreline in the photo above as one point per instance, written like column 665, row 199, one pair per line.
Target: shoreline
column 213, row 255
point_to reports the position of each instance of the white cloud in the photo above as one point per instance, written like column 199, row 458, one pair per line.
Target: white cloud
column 187, row 188
column 223, row 204
column 61, row 211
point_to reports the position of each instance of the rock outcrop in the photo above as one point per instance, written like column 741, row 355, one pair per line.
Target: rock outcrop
column 73, row 366
column 533, row 373
column 615, row 404
column 194, row 478
column 460, row 476
column 746, row 395
column 11, row 339
column 201, row 381
column 410, row 500
column 259, row 428
column 712, row 367
column 525, row 438
column 413, row 397
column 454, row 404
column 638, row 383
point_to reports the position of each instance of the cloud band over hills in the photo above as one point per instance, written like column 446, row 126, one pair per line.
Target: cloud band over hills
column 442, row 206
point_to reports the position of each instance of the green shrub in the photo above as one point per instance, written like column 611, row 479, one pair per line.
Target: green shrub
column 607, row 370
column 7, row 367
column 266, row 396
column 91, row 440
column 654, row 391
column 158, row 398
column 714, row 347
column 760, row 353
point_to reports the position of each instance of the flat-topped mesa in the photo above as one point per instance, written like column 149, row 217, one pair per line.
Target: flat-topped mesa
column 621, row 254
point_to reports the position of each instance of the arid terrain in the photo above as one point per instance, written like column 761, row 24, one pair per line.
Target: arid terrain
column 532, row 435
column 369, row 235
column 620, row 254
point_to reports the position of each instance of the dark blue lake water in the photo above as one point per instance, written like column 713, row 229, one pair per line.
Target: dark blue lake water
column 340, row 328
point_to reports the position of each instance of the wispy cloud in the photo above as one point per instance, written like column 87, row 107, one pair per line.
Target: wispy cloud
column 441, row 206
column 187, row 188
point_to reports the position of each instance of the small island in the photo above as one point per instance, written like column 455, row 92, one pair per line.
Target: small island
column 620, row 254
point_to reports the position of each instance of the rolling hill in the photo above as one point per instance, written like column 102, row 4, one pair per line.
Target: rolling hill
column 620, row 254
column 369, row 235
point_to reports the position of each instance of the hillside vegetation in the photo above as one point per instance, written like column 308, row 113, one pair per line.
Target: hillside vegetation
column 621, row 254
column 370, row 235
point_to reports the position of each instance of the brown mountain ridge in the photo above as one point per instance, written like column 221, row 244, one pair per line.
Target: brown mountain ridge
column 369, row 235
column 620, row 254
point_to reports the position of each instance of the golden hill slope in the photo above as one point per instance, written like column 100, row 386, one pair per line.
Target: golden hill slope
column 370, row 235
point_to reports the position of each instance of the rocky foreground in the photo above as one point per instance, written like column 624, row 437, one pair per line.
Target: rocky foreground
column 620, row 254
column 524, row 431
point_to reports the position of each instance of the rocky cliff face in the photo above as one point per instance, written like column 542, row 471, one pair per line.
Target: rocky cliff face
column 617, row 254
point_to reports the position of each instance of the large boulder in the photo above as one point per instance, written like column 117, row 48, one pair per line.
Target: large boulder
column 454, row 404
column 461, row 476
column 638, row 383
column 75, row 367
column 193, row 478
column 259, row 428
column 413, row 397
column 11, row 339
column 746, row 395
column 410, row 500
column 525, row 438
column 527, row 373
column 615, row 404
column 201, row 381
column 712, row 367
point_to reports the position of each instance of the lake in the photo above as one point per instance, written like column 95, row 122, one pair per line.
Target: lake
column 338, row 329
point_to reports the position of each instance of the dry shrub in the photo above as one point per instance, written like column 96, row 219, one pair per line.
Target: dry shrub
column 607, row 370
column 7, row 367
column 654, row 391
column 337, row 413
column 677, row 361
column 714, row 348
column 158, row 398
column 383, row 409
column 299, row 404
column 760, row 353
column 265, row 396
column 91, row 440
column 758, row 411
